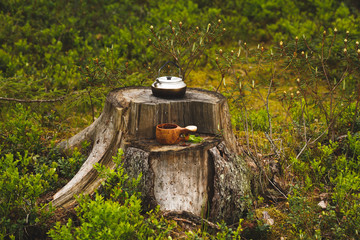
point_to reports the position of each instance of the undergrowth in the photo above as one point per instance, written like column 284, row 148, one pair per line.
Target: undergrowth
column 291, row 80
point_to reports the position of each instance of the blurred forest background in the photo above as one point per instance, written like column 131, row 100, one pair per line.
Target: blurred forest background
column 290, row 71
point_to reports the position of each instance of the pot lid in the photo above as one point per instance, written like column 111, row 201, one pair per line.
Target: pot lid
column 169, row 79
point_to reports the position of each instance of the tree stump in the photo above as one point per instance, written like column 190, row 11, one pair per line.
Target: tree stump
column 207, row 179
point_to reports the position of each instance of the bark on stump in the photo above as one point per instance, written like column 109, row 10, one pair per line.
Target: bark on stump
column 207, row 178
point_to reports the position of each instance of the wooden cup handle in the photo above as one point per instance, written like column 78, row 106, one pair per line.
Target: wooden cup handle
column 184, row 132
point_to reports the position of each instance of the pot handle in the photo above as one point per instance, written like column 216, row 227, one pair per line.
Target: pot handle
column 167, row 64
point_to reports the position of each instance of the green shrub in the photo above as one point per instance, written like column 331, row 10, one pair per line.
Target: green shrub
column 115, row 213
column 69, row 166
column 346, row 197
column 21, row 132
column 105, row 219
column 337, row 176
column 303, row 217
column 20, row 190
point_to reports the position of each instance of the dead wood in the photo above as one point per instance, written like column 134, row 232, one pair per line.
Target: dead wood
column 207, row 179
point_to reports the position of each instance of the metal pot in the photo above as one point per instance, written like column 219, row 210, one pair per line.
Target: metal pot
column 169, row 86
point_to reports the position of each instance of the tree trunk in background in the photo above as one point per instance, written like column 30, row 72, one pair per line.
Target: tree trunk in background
column 207, row 178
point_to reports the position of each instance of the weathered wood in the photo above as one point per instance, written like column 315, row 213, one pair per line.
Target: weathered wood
column 232, row 185
column 106, row 133
column 177, row 177
column 207, row 110
column 206, row 178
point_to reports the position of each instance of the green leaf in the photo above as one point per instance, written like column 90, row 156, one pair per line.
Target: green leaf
column 194, row 139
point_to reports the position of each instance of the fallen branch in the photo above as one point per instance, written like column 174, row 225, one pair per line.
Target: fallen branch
column 185, row 221
column 275, row 148
column 32, row 101
column 190, row 218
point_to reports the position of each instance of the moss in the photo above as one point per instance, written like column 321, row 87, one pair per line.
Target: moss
column 279, row 229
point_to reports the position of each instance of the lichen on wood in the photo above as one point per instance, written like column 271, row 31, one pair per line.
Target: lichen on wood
column 232, row 185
